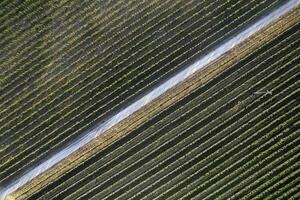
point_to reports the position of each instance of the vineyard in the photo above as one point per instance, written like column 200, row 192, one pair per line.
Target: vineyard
column 67, row 66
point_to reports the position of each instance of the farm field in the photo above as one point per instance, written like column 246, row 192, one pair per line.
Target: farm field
column 66, row 66
column 235, row 137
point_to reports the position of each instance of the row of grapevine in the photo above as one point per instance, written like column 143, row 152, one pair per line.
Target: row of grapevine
column 21, row 153
column 228, row 122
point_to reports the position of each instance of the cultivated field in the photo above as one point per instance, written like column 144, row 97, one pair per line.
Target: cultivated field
column 69, row 65
column 235, row 137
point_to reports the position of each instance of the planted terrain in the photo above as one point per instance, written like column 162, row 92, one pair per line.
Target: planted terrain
column 66, row 66
column 236, row 137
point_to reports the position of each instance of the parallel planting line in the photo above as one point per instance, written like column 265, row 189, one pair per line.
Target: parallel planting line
column 292, row 192
column 14, row 14
column 35, row 20
column 278, row 158
column 175, row 190
column 285, row 184
column 56, row 98
column 138, row 156
column 255, row 188
column 239, row 159
column 271, row 175
column 268, row 126
column 103, row 17
column 101, row 91
column 152, row 184
column 98, row 70
column 141, row 138
column 19, row 37
column 162, row 127
column 69, row 33
column 20, row 53
column 53, row 69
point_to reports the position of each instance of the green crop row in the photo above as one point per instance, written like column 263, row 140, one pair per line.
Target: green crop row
column 258, row 181
column 163, row 189
column 264, row 180
column 149, row 177
column 249, row 164
column 69, row 20
column 267, row 167
column 220, row 170
column 19, row 12
column 213, row 180
column 163, row 170
column 288, row 190
column 37, row 18
column 68, row 46
column 139, row 156
column 127, row 145
column 31, row 41
column 48, row 103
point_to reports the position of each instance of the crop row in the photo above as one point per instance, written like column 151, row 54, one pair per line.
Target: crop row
column 208, row 183
column 126, row 178
column 125, row 147
column 69, row 46
column 288, row 187
column 36, row 17
column 18, row 12
column 152, row 179
column 185, row 181
column 235, row 160
column 62, row 39
column 240, row 178
column 68, row 20
column 78, row 53
column 260, row 181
